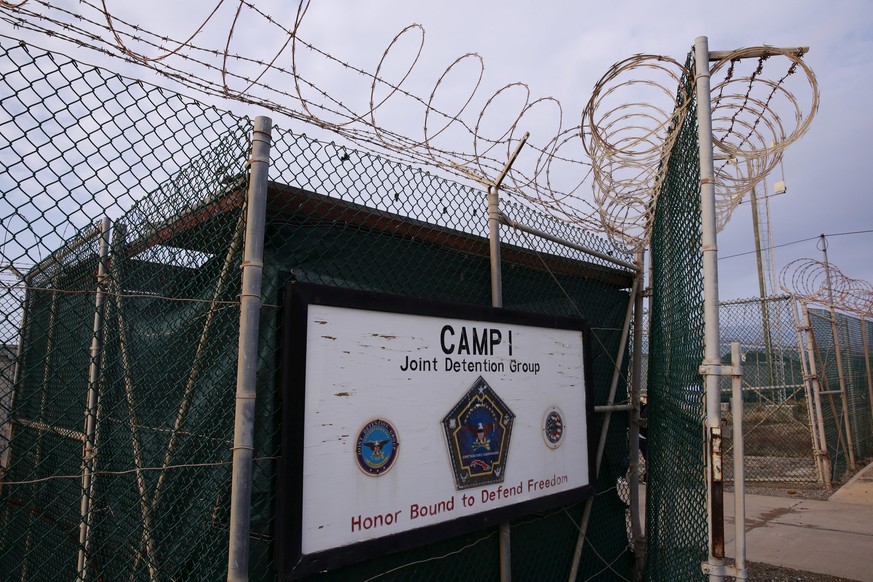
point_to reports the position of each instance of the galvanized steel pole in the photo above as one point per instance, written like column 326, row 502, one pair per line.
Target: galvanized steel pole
column 813, row 401
column 639, row 542
column 866, row 343
column 494, row 240
column 567, row 243
column 762, row 287
column 504, row 536
column 850, row 444
column 737, row 410
column 494, row 219
column 712, row 359
column 816, row 390
column 89, row 450
column 119, row 239
column 247, row 355
column 497, row 301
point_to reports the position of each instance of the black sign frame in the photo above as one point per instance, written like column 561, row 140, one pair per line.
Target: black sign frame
column 289, row 559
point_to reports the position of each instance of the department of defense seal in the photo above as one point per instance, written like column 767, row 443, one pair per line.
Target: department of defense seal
column 553, row 427
column 376, row 448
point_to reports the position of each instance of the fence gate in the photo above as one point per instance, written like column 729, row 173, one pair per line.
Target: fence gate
column 778, row 425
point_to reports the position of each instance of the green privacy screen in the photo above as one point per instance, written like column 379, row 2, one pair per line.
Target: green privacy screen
column 676, row 506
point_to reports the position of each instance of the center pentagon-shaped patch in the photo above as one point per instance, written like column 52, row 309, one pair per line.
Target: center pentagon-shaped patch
column 478, row 429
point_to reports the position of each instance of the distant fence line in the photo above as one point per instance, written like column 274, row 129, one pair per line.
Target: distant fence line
column 807, row 395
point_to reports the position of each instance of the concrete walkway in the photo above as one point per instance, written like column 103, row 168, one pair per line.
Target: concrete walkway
column 833, row 537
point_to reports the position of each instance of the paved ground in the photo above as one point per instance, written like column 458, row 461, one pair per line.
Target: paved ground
column 833, row 537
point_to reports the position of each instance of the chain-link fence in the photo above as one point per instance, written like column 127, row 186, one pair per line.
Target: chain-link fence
column 121, row 409
column 119, row 334
column 676, row 505
column 807, row 389
column 841, row 349
column 387, row 228
column 777, row 426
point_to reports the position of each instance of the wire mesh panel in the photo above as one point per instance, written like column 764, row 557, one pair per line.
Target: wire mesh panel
column 857, row 332
column 842, row 362
column 676, row 504
column 349, row 219
column 117, row 411
column 777, row 423
column 857, row 360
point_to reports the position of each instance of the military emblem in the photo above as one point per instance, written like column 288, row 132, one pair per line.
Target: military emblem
column 553, row 427
column 376, row 447
column 478, row 429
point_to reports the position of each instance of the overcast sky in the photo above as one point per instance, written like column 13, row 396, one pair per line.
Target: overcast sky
column 561, row 49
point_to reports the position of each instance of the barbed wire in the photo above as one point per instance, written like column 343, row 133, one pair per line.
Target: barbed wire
column 750, row 136
column 814, row 281
column 602, row 173
column 630, row 141
column 132, row 471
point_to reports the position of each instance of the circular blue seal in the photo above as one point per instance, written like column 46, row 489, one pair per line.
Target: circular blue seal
column 553, row 427
column 376, row 447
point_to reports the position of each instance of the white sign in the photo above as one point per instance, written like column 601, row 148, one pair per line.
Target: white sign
column 415, row 420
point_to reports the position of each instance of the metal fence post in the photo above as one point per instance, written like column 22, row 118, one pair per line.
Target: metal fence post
column 844, row 392
column 497, row 301
column 737, row 411
column 712, row 358
column 850, row 445
column 88, row 450
column 822, row 453
column 247, row 355
column 866, row 344
column 639, row 541
column 808, row 379
column 119, row 239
